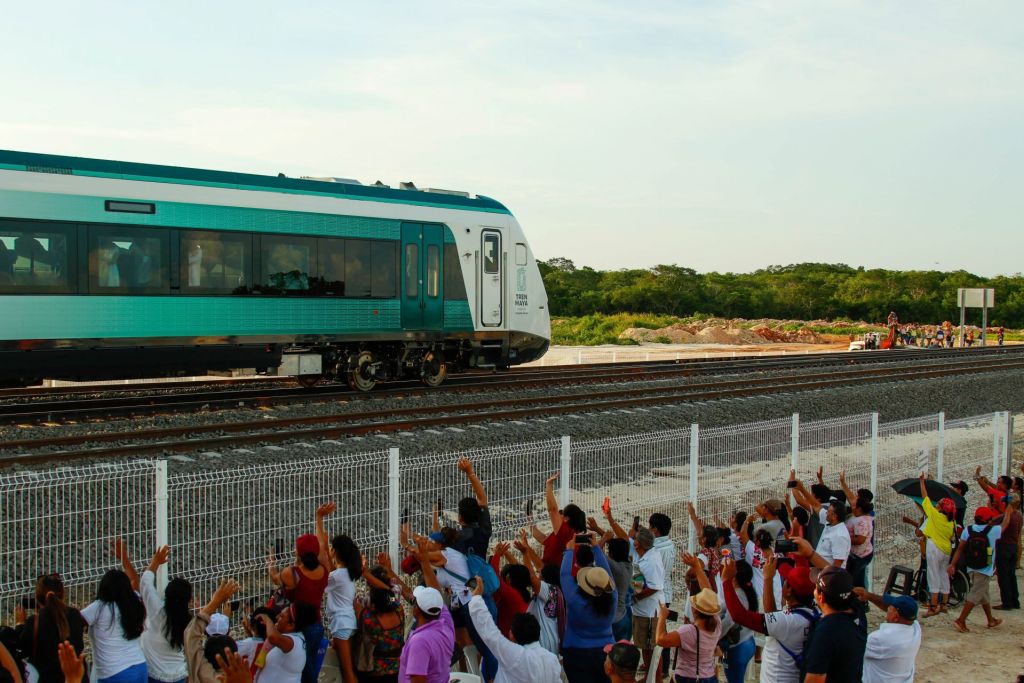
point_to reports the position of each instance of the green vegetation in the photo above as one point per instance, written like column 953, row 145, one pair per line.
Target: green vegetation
column 594, row 329
column 806, row 291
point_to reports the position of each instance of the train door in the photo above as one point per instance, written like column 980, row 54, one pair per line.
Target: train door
column 422, row 277
column 491, row 278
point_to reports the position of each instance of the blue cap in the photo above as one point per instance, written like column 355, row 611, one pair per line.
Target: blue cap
column 904, row 604
column 436, row 537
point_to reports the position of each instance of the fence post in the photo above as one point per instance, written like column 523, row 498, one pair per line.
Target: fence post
column 794, row 449
column 1008, row 442
column 161, row 519
column 563, row 487
column 394, row 503
column 691, row 543
column 997, row 424
column 940, row 453
column 874, row 453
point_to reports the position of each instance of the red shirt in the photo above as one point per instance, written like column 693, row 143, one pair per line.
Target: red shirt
column 995, row 499
column 554, row 545
column 508, row 600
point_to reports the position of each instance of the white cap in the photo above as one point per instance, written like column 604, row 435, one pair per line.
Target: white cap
column 219, row 625
column 429, row 600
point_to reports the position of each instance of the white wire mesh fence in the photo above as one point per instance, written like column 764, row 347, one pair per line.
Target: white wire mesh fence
column 226, row 522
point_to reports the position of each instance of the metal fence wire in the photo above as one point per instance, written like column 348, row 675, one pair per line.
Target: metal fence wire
column 226, row 522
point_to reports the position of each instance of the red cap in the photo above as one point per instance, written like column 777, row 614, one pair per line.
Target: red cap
column 947, row 507
column 799, row 579
column 986, row 514
column 307, row 544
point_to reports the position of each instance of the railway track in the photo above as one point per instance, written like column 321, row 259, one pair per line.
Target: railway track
column 37, row 409
column 236, row 434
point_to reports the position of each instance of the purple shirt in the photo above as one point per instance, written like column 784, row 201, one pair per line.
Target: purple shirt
column 428, row 650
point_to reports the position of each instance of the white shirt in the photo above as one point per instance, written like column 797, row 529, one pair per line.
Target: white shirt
column 664, row 546
column 284, row 667
column 891, row 653
column 165, row 663
column 455, row 563
column 516, row 663
column 111, row 652
column 648, row 573
column 834, row 543
column 247, row 647
column 548, row 625
column 789, row 628
column 338, row 599
column 756, row 557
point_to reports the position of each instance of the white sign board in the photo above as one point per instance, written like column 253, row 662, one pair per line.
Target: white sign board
column 976, row 298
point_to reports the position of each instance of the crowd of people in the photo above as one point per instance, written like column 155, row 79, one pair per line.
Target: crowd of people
column 587, row 598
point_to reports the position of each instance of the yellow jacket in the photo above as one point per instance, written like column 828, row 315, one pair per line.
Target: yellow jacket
column 939, row 528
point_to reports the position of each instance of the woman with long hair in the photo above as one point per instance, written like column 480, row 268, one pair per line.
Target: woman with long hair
column 738, row 641
column 286, row 658
column 116, row 620
column 515, row 589
column 163, row 639
column 590, row 602
column 696, row 641
column 52, row 624
column 341, row 593
column 938, row 531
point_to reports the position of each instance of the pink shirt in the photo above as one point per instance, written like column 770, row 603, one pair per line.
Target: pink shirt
column 686, row 663
column 428, row 650
column 860, row 526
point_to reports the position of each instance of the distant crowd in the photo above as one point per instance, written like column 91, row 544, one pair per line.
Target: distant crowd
column 781, row 587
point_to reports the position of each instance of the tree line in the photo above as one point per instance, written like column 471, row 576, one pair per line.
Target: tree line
column 804, row 291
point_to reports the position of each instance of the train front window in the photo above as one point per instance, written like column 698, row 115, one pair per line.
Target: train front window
column 286, row 263
column 490, row 253
column 215, row 262
column 128, row 260
column 33, row 257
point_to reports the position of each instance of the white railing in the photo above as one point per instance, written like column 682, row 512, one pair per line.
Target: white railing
column 224, row 522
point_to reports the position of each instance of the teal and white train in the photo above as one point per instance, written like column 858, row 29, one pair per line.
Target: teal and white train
column 114, row 269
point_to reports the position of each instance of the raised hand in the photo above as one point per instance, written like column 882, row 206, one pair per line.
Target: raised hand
column 552, row 479
column 728, row 569
column 465, row 465
column 327, row 508
column 160, row 556
column 71, row 663
column 234, row 668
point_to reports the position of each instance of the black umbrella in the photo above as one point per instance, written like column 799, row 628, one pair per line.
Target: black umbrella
column 936, row 491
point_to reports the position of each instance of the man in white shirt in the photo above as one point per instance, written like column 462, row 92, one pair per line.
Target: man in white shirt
column 892, row 649
column 522, row 660
column 661, row 525
column 648, row 593
column 834, row 544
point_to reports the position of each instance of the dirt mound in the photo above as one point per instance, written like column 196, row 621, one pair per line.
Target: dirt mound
column 800, row 336
column 674, row 334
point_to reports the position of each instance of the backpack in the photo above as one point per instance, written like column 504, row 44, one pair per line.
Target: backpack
column 812, row 616
column 478, row 566
column 977, row 549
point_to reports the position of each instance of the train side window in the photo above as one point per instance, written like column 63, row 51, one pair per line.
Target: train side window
column 520, row 254
column 490, row 254
column 454, row 285
column 128, row 260
column 215, row 262
column 385, row 270
column 34, row 257
column 433, row 271
column 330, row 280
column 286, row 263
column 412, row 271
column 358, row 281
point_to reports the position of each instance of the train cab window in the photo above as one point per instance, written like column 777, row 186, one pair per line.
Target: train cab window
column 286, row 263
column 520, row 254
column 491, row 254
column 412, row 271
column 358, row 281
column 215, row 262
column 125, row 260
column 385, row 270
column 433, row 271
column 330, row 280
column 454, row 285
column 34, row 257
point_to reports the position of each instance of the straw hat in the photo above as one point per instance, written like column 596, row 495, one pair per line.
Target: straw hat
column 594, row 581
column 706, row 602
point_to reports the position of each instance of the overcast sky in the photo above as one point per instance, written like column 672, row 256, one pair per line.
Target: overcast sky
column 714, row 135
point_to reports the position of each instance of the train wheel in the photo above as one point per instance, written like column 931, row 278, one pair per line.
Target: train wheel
column 308, row 381
column 434, row 370
column 360, row 374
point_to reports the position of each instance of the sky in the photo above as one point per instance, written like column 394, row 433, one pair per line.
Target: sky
column 723, row 136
